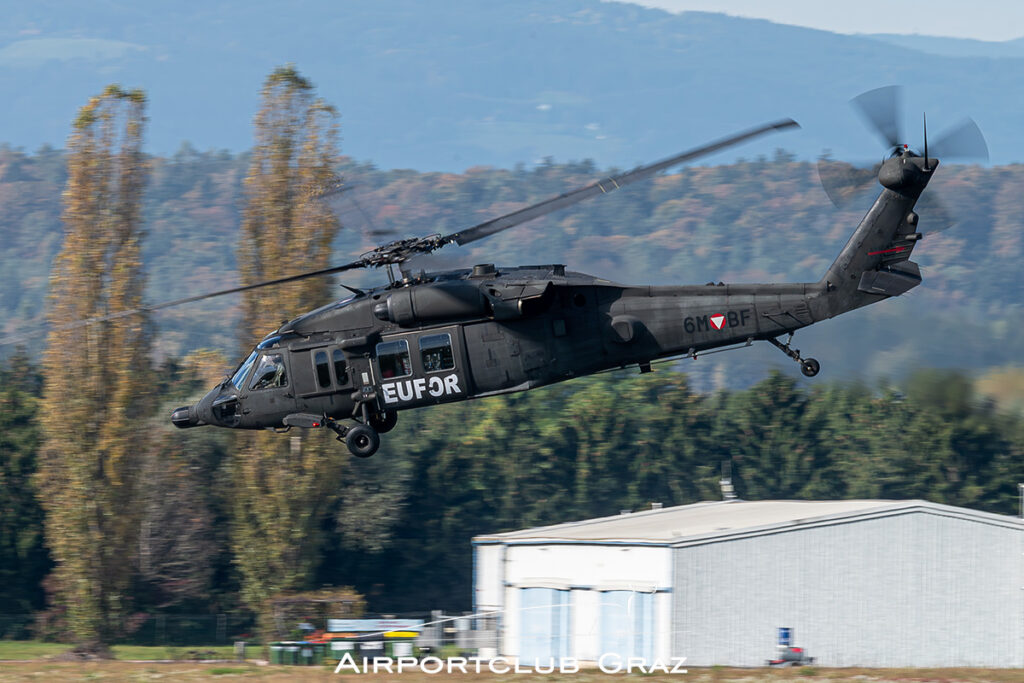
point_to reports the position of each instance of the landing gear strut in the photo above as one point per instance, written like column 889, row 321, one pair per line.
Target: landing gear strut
column 808, row 366
column 383, row 422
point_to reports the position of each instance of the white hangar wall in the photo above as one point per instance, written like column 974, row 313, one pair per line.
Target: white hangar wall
column 861, row 583
column 920, row 588
column 592, row 588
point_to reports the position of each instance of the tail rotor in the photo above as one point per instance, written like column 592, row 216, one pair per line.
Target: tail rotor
column 881, row 109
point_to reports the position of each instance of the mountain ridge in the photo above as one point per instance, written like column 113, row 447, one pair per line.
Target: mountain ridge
column 462, row 84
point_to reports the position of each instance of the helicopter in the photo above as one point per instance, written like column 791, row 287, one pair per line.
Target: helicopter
column 428, row 338
column 439, row 337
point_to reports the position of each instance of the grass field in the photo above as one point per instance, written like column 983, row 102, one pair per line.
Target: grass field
column 197, row 671
column 36, row 665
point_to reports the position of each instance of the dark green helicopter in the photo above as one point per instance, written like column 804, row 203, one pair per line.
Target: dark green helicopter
column 449, row 336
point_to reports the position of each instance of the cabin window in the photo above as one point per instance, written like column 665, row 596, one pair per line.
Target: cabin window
column 436, row 352
column 340, row 367
column 270, row 372
column 323, row 370
column 393, row 359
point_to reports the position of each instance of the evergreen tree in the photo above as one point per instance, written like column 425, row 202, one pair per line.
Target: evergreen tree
column 23, row 557
column 97, row 377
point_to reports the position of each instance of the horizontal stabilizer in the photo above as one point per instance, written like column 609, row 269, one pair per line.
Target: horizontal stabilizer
column 892, row 280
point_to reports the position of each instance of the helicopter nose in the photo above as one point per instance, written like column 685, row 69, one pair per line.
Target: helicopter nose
column 185, row 417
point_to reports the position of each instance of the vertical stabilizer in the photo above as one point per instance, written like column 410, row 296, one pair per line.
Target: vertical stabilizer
column 875, row 263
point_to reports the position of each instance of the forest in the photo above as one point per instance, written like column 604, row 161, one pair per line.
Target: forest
column 400, row 527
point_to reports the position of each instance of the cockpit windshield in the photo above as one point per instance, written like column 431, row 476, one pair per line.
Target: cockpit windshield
column 268, row 342
column 238, row 379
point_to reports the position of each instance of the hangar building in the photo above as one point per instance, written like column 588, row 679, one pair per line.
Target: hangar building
column 861, row 582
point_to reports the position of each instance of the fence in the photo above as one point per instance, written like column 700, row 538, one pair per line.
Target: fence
column 464, row 631
column 157, row 629
column 467, row 632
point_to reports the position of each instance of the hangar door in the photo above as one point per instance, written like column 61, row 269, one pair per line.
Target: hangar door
column 544, row 615
column 627, row 624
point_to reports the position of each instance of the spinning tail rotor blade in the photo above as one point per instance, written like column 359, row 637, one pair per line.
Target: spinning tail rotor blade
column 964, row 141
column 844, row 182
column 881, row 109
column 935, row 217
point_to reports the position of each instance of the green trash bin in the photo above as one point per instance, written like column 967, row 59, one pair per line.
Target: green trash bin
column 319, row 653
column 306, row 654
column 276, row 653
column 291, row 653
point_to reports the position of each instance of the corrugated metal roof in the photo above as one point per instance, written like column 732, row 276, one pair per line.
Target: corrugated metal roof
column 702, row 521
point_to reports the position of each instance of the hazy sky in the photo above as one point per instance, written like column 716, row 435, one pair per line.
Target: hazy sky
column 981, row 19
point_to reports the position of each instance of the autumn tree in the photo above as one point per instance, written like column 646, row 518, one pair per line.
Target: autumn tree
column 96, row 394
column 283, row 486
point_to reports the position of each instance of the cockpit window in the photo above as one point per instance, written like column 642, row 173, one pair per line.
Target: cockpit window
column 267, row 343
column 238, row 379
column 270, row 372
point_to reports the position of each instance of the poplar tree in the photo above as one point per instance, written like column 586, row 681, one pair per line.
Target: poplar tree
column 96, row 394
column 284, row 486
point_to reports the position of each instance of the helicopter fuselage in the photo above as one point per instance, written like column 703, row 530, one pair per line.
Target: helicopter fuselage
column 481, row 332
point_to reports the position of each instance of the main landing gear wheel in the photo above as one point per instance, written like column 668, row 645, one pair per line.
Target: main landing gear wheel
column 810, row 367
column 362, row 440
column 384, row 422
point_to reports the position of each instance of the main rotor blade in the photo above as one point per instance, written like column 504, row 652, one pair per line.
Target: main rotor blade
column 881, row 109
column 605, row 186
column 185, row 300
column 965, row 141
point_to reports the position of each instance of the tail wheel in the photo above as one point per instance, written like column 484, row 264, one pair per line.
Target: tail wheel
column 384, row 422
column 362, row 441
column 810, row 367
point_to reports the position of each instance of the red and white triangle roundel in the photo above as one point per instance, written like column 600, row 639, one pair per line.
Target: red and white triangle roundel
column 718, row 321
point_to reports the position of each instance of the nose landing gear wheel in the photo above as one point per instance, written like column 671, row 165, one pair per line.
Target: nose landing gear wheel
column 362, row 440
column 810, row 367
